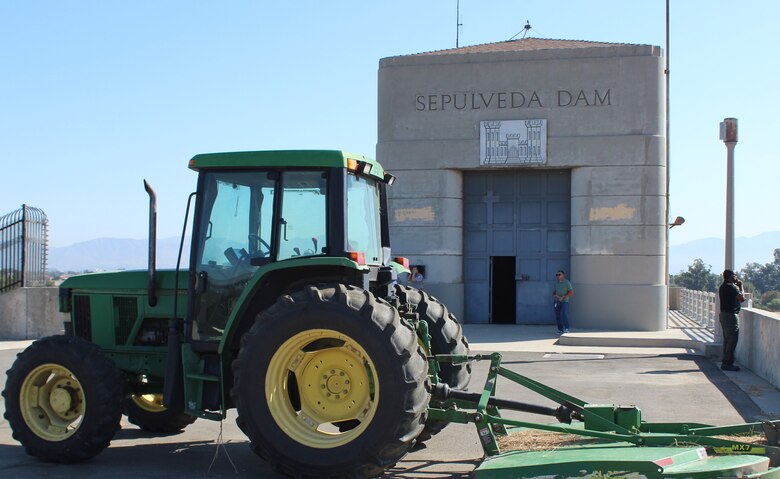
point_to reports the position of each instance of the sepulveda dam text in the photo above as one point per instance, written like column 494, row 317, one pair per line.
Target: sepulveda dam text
column 512, row 100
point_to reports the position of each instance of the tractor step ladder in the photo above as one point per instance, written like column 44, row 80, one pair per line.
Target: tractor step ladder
column 198, row 378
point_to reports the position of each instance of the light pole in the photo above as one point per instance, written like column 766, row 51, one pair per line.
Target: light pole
column 728, row 133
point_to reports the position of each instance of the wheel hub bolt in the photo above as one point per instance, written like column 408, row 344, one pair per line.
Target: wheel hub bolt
column 337, row 383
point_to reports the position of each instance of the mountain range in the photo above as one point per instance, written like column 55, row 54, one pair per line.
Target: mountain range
column 109, row 254
column 754, row 249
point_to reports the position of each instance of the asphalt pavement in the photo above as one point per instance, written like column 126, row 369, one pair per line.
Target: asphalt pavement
column 667, row 384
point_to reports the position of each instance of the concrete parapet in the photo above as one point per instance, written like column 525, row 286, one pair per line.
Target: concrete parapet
column 757, row 347
column 30, row 313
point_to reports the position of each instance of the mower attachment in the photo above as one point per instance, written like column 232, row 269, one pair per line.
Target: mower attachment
column 613, row 440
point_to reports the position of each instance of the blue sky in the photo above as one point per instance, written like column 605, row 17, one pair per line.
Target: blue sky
column 96, row 96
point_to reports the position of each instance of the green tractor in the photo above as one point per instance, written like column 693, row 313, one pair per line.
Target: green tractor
column 289, row 311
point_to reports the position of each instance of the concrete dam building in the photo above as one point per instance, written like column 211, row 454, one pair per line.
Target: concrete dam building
column 520, row 158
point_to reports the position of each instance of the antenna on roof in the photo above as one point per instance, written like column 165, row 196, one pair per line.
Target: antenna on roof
column 524, row 31
column 458, row 23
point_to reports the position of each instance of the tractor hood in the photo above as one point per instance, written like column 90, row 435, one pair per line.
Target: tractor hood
column 135, row 280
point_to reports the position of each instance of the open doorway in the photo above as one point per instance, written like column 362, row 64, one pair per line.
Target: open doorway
column 503, row 295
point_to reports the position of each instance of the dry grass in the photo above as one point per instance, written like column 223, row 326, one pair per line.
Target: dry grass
column 535, row 440
column 755, row 439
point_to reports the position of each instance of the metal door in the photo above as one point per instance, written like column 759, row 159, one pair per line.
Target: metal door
column 520, row 213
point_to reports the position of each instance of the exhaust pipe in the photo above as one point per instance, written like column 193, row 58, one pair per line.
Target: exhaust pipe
column 152, row 244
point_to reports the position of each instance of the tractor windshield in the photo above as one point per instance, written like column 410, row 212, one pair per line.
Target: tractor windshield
column 364, row 232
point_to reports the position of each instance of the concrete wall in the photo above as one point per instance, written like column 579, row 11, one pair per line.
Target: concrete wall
column 674, row 298
column 757, row 347
column 615, row 151
column 30, row 313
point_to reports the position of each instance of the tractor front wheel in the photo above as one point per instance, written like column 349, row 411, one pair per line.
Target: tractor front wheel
column 147, row 412
column 330, row 383
column 63, row 399
column 446, row 338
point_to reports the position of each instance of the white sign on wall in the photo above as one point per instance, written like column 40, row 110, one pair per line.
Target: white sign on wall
column 512, row 142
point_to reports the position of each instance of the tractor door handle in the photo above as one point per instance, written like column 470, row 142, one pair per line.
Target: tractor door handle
column 203, row 279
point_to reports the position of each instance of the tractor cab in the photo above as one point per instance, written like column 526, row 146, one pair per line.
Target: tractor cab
column 266, row 222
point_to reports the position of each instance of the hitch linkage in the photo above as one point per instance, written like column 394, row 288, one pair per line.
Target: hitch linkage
column 562, row 413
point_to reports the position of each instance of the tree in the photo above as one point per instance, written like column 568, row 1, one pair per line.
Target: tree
column 699, row 277
column 765, row 280
column 766, row 277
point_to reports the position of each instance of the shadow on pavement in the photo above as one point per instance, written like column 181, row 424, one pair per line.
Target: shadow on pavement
column 130, row 433
column 170, row 460
column 738, row 398
column 427, row 469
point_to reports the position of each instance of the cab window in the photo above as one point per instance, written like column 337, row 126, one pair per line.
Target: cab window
column 303, row 224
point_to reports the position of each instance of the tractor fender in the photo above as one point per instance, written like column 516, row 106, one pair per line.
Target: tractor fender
column 275, row 279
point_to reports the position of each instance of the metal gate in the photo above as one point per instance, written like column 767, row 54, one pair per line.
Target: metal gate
column 23, row 248
column 517, row 231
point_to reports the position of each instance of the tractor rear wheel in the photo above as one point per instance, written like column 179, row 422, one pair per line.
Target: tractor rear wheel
column 147, row 412
column 330, row 383
column 63, row 399
column 446, row 338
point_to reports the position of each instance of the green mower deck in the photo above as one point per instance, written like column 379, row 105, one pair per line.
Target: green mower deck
column 623, row 460
column 616, row 442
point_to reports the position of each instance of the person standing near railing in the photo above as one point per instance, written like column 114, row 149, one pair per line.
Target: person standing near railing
column 731, row 297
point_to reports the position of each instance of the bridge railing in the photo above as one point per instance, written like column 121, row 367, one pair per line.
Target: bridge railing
column 701, row 306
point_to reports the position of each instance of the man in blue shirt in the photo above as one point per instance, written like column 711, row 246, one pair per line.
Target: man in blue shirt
column 731, row 297
column 562, row 291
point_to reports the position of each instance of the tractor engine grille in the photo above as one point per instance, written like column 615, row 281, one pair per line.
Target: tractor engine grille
column 125, row 316
column 82, row 317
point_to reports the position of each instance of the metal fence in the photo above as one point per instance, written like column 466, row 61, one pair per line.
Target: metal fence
column 23, row 248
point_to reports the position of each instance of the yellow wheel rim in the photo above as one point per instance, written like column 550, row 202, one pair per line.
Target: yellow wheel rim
column 52, row 402
column 321, row 388
column 149, row 402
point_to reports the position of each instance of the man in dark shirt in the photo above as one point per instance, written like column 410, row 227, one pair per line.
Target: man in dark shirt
column 730, row 293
